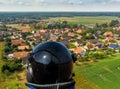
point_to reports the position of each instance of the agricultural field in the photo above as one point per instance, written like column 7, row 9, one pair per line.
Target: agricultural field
column 105, row 73
column 19, row 26
column 85, row 19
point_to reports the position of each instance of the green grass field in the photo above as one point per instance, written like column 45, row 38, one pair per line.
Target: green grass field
column 105, row 73
column 85, row 19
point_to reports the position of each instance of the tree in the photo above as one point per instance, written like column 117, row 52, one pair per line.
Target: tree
column 71, row 45
column 11, row 66
column 104, row 25
column 114, row 23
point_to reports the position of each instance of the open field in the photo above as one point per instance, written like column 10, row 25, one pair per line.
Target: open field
column 85, row 19
column 105, row 73
column 19, row 26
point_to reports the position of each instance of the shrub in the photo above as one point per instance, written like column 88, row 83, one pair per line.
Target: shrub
column 11, row 66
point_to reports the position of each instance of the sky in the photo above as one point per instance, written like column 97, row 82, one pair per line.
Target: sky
column 60, row 5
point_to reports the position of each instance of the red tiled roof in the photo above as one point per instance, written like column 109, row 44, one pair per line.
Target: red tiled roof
column 42, row 31
column 79, row 31
column 79, row 37
column 71, row 34
column 53, row 38
column 109, row 39
column 17, row 42
column 109, row 33
column 23, row 47
column 20, row 54
column 57, row 31
column 78, row 50
column 25, row 31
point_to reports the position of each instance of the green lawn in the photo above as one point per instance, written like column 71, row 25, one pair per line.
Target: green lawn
column 85, row 19
column 105, row 73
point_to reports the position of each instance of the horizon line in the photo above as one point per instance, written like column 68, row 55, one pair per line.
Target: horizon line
column 66, row 11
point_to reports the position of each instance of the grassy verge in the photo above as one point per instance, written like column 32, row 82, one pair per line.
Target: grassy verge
column 14, row 81
column 105, row 73
column 2, row 77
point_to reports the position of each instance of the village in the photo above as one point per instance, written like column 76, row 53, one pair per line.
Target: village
column 80, row 41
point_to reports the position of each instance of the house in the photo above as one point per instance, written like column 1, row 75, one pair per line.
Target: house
column 108, row 33
column 79, row 30
column 99, row 45
column 45, row 36
column 116, row 36
column 25, row 31
column 65, row 42
column 5, row 33
column 80, row 51
column 90, row 26
column 90, row 46
column 79, row 41
column 114, row 46
column 23, row 47
column 42, row 31
column 71, row 34
column 20, row 54
column 117, row 28
column 10, row 55
column 57, row 32
column 67, row 38
column 53, row 37
column 36, row 35
column 98, row 33
column 67, row 30
column 93, row 41
column 17, row 42
column 109, row 39
column 79, row 37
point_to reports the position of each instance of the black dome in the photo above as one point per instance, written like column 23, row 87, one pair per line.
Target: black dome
column 51, row 62
column 55, row 48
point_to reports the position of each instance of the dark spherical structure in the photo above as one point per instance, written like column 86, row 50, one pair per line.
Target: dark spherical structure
column 50, row 62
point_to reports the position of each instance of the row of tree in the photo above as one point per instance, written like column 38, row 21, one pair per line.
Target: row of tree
column 53, row 25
